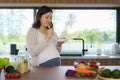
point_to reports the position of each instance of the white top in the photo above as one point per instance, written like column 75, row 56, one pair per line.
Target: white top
column 40, row 50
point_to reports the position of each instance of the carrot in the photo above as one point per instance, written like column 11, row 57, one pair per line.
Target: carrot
column 85, row 72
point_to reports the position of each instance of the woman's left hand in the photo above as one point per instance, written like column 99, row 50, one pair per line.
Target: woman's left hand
column 59, row 44
column 61, row 40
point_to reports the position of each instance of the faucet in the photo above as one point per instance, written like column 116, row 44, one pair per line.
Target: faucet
column 83, row 45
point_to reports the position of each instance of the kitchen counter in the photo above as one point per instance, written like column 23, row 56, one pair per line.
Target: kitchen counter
column 86, row 56
column 52, row 73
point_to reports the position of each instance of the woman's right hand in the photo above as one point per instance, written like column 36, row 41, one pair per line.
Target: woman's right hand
column 49, row 34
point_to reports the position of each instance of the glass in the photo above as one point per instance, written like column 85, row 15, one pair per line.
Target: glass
column 14, row 61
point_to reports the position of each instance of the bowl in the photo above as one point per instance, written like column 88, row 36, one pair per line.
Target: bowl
column 103, row 78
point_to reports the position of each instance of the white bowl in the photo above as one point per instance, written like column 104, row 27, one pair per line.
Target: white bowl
column 61, row 40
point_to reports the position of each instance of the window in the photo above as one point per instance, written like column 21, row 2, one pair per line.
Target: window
column 14, row 24
column 96, row 26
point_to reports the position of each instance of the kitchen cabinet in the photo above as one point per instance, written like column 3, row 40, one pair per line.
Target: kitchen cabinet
column 104, row 60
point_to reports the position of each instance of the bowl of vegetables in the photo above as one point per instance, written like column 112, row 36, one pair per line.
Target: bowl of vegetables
column 80, row 70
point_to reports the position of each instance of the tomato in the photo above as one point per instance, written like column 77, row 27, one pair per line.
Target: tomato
column 91, row 65
column 7, row 75
column 94, row 74
column 17, row 75
column 83, row 74
column 96, row 66
column 88, row 74
column 11, row 75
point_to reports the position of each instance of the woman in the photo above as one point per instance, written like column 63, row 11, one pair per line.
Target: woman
column 41, row 42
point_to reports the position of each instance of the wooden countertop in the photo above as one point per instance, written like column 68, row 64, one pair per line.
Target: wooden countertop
column 52, row 73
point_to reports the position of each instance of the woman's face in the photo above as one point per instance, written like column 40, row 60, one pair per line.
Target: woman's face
column 46, row 19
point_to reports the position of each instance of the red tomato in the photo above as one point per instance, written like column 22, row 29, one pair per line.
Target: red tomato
column 94, row 74
column 88, row 74
column 91, row 65
column 96, row 66
column 17, row 75
column 11, row 75
column 84, row 74
column 7, row 75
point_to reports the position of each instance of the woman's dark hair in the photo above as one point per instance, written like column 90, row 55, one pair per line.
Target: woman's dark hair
column 41, row 11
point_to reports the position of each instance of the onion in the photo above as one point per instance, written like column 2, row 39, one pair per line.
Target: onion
column 77, row 62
